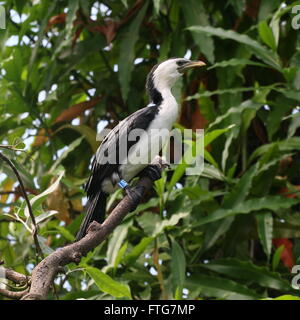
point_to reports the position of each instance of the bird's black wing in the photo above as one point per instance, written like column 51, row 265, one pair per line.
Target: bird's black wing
column 140, row 119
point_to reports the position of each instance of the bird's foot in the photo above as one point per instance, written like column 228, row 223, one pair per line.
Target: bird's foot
column 135, row 194
column 153, row 171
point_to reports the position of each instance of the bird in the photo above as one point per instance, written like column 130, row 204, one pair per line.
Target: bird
column 110, row 170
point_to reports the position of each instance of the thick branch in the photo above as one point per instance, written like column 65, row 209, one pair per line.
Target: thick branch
column 45, row 272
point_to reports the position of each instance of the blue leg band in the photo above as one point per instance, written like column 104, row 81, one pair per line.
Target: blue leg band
column 123, row 184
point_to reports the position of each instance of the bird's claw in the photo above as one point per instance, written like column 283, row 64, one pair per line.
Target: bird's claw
column 152, row 171
column 135, row 194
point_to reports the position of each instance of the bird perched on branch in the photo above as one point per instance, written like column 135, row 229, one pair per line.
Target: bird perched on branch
column 113, row 167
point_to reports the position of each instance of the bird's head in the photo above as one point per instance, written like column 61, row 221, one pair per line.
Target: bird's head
column 163, row 75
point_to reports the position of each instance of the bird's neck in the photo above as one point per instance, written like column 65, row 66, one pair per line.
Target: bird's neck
column 159, row 92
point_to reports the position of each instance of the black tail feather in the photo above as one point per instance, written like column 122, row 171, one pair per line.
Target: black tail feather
column 95, row 211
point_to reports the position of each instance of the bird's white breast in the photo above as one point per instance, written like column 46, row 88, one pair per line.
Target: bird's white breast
column 152, row 140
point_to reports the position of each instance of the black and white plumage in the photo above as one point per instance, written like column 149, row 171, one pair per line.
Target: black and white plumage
column 161, row 113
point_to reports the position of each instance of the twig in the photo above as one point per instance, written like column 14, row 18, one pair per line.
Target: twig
column 45, row 272
column 9, row 147
column 13, row 294
column 34, row 231
column 18, row 278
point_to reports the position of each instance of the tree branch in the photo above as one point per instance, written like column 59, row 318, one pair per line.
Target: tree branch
column 45, row 272
column 18, row 278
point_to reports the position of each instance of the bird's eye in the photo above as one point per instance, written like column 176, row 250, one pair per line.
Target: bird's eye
column 181, row 62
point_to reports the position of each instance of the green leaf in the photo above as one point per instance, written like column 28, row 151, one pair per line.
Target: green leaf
column 65, row 153
column 237, row 195
column 178, row 266
column 106, row 284
column 127, row 52
column 277, row 256
column 284, row 297
column 241, row 190
column 221, row 288
column 236, row 62
column 265, row 230
column 248, row 104
column 269, row 57
column 269, row 202
column 115, row 242
column 236, row 90
column 169, row 222
column 44, row 216
column 65, row 233
column 120, row 254
column 285, row 145
column 125, row 3
column 212, row 173
column 156, row 6
column 213, row 135
column 195, row 14
column 88, row 133
column 245, row 270
column 266, row 34
column 137, row 250
column 153, row 225
column 37, row 200
column 295, row 124
column 225, row 153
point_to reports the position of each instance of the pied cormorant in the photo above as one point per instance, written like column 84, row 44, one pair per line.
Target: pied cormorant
column 161, row 113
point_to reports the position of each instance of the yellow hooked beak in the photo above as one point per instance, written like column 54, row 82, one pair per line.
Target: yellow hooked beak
column 192, row 64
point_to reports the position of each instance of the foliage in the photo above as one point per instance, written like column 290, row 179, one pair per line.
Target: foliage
column 70, row 68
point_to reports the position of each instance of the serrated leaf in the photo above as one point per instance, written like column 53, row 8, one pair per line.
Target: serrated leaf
column 241, row 190
column 236, row 90
column 269, row 202
column 221, row 288
column 245, row 270
column 213, row 135
column 236, row 62
column 269, row 57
